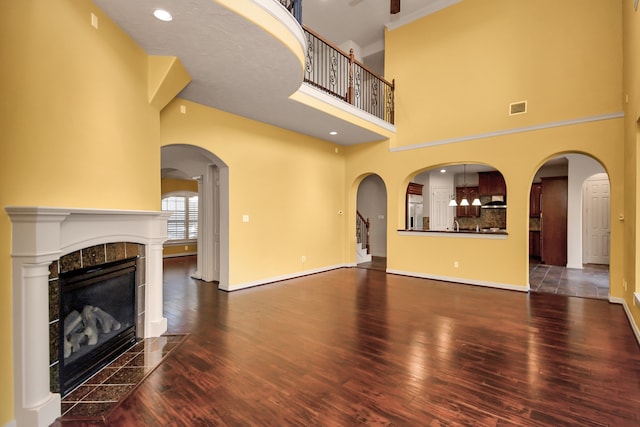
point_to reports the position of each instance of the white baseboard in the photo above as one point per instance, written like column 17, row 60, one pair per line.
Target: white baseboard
column 283, row 277
column 623, row 302
column 463, row 281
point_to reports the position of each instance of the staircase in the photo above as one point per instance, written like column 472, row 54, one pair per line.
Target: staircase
column 363, row 249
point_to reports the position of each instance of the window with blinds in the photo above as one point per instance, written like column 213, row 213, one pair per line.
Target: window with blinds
column 183, row 222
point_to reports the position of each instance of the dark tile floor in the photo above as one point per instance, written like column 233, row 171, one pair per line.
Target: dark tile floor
column 101, row 393
column 592, row 281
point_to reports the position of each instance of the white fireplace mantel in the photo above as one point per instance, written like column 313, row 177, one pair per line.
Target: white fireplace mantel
column 40, row 235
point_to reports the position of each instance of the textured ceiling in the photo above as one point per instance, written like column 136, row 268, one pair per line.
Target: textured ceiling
column 238, row 67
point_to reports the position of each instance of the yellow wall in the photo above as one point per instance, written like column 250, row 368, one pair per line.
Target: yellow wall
column 78, row 130
column 169, row 185
column 290, row 185
column 457, row 70
column 178, row 250
column 632, row 138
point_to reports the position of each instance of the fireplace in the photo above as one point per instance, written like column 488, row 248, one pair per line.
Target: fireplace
column 41, row 236
column 98, row 319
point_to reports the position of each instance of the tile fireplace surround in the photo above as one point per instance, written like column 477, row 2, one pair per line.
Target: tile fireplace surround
column 40, row 235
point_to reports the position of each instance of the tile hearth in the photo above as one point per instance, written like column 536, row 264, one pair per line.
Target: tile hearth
column 95, row 399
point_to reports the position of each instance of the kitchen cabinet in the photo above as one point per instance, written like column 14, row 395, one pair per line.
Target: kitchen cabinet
column 414, row 220
column 534, row 202
column 491, row 184
column 470, row 193
column 553, row 220
column 534, row 243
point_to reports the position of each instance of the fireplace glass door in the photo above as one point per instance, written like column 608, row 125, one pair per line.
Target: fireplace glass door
column 97, row 319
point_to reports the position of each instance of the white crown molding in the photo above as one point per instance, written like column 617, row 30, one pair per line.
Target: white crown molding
column 432, row 8
column 589, row 119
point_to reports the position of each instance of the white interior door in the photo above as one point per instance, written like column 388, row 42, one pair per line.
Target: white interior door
column 441, row 214
column 597, row 220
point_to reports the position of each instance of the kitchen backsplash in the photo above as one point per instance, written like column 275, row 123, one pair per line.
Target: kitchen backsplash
column 489, row 218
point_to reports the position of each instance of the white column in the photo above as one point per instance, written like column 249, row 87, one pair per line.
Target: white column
column 35, row 405
column 200, row 258
column 155, row 323
column 209, row 256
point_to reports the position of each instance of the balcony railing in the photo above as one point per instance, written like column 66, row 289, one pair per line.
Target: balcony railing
column 339, row 74
column 294, row 7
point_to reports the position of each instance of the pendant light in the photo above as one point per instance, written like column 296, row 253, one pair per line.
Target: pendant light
column 476, row 202
column 464, row 201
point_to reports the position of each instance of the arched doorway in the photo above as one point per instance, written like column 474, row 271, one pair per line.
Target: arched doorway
column 569, row 228
column 212, row 176
column 371, row 223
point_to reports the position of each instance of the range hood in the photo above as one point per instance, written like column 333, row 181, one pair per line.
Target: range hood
column 496, row 204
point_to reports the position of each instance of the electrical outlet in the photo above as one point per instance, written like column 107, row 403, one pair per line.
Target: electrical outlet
column 94, row 21
column 304, row 258
column 186, row 247
column 456, row 264
column 624, row 284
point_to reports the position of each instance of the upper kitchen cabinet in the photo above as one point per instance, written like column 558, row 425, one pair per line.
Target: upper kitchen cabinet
column 469, row 193
column 491, row 184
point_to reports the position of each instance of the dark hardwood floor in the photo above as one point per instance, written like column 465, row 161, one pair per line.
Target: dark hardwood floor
column 357, row 346
column 376, row 263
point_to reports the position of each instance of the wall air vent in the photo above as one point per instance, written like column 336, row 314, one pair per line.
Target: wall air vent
column 517, row 108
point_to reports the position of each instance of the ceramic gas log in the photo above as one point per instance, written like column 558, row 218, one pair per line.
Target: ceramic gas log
column 84, row 328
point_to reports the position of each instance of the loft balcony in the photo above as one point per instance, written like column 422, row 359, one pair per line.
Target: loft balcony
column 254, row 59
column 339, row 74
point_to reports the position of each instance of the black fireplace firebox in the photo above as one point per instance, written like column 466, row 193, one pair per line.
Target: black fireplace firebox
column 97, row 319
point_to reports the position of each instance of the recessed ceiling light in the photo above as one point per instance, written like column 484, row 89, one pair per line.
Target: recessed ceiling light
column 333, row 132
column 443, row 170
column 162, row 15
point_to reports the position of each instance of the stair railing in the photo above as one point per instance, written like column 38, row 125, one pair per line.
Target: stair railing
column 362, row 231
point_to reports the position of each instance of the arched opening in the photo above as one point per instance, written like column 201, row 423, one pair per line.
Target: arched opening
column 371, row 223
column 569, row 228
column 193, row 163
column 457, row 197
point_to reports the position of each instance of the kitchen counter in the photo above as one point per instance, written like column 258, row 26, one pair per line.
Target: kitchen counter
column 483, row 233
